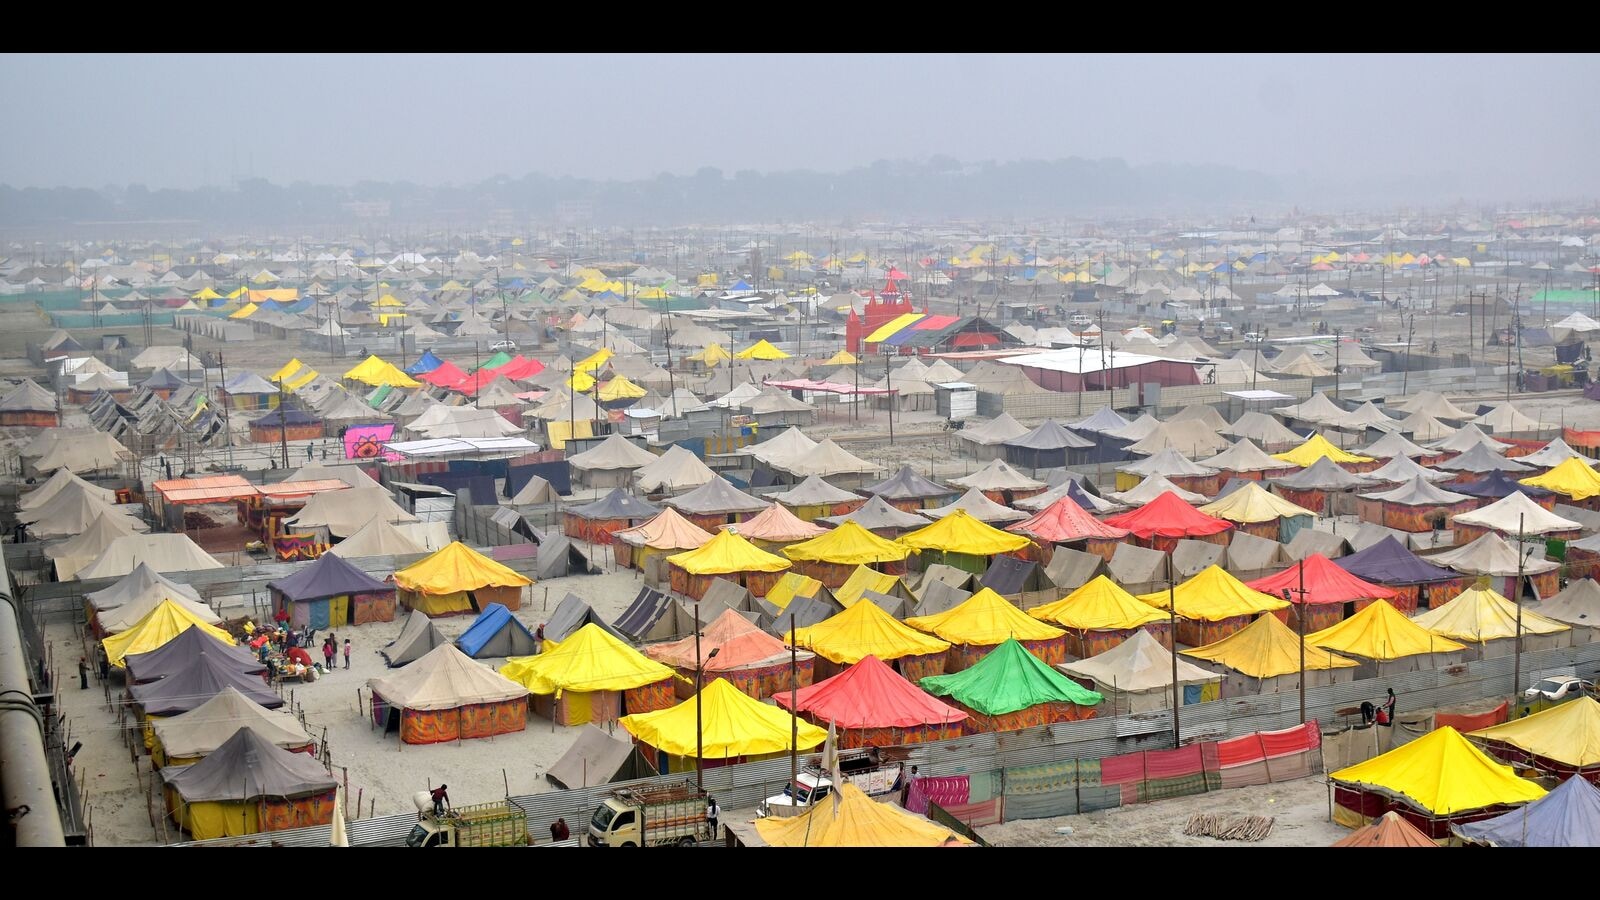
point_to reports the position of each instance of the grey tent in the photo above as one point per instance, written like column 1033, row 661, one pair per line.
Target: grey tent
column 939, row 597
column 1139, row 570
column 950, row 576
column 597, row 758
column 654, row 616
column 1018, row 580
column 906, row 484
column 572, row 613
column 1251, row 557
column 249, row 767
column 417, row 637
column 559, row 556
column 899, row 607
column 203, row 678
column 802, row 612
column 1072, row 569
column 1190, row 558
column 724, row 594
column 179, row 653
column 1307, row 541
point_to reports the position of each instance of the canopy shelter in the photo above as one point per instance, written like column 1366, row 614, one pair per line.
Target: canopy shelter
column 1066, row 522
column 204, row 675
column 189, row 737
column 872, row 706
column 656, row 616
column 1480, row 460
column 64, row 480
column 856, row 820
column 378, row 537
column 1162, row 522
column 776, row 527
column 375, row 372
column 1244, row 459
column 1151, row 488
column 591, row 676
column 673, row 471
column 977, row 504
column 163, row 623
column 1390, row 564
column 664, row 534
column 751, row 660
column 1212, row 605
column 418, row 636
column 128, row 614
column 884, row 588
column 1578, row 605
column 908, row 491
column 1434, row 404
column 1321, row 591
column 983, row 621
column 961, row 540
column 1403, row 470
column 1311, row 487
column 72, row 512
column 879, row 517
column 1136, row 676
column 332, row 593
column 729, row 556
column 1568, row 816
column 596, row 522
column 1554, row 454
column 1011, row 689
column 864, row 629
column 1318, row 447
column 1264, row 657
column 181, row 652
column 1393, row 445
column 458, row 580
column 1505, row 563
column 1467, row 437
column 831, row 557
column 1563, row 740
column 1385, row 642
column 722, row 726
column 446, row 696
column 716, row 503
column 249, row 785
column 1573, row 477
column 987, row 441
column 343, row 513
column 1388, row 830
column 1001, row 483
column 1433, row 782
column 610, row 463
column 141, row 584
column 1048, row 446
column 496, row 633
column 814, row 498
column 1262, row 429
column 1100, row 615
column 1255, row 510
column 1489, row 624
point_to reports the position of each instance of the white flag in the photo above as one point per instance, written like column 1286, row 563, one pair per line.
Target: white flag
column 830, row 762
column 336, row 835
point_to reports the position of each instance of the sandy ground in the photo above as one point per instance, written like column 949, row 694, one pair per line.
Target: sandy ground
column 1299, row 809
column 382, row 772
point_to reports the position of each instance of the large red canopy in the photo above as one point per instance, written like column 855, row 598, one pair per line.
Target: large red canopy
column 1168, row 516
column 1325, row 582
column 520, row 368
column 446, row 375
column 1063, row 521
column 869, row 694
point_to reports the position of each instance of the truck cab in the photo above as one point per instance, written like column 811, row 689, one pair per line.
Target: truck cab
column 797, row 798
column 651, row 817
column 501, row 824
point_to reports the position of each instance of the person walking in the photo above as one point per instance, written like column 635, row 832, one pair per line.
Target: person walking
column 712, row 812
column 347, row 653
column 327, row 654
column 559, row 830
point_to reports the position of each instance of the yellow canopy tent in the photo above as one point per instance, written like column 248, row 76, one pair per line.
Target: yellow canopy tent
column 856, row 820
column 378, row 372
column 761, row 349
column 1099, row 605
column 1213, row 595
column 712, row 356
column 960, row 532
column 731, row 724
column 1572, row 477
column 244, row 312
column 842, row 358
column 1479, row 614
column 282, row 295
column 159, row 625
column 581, row 382
column 864, row 578
column 236, row 293
column 593, row 361
column 1316, row 447
column 1266, row 648
column 591, row 659
column 863, row 630
column 294, row 375
column 985, row 618
column 1441, row 773
column 727, row 552
column 790, row 586
column 1253, row 503
column 1381, row 632
column 849, row 545
column 620, row 388
column 207, row 294
column 440, row 584
column 558, row 431
column 1568, row 734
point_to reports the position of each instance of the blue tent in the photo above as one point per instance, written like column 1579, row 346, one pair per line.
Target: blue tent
column 425, row 363
column 741, row 285
column 1568, row 816
column 496, row 632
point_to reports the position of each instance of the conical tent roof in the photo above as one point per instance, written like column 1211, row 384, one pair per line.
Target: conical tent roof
column 1267, row 648
column 128, row 615
column 1007, row 679
column 856, row 820
column 1253, row 503
column 1388, row 830
column 1206, row 415
column 877, row 513
column 1318, row 409
column 727, row 553
column 1318, row 447
column 848, row 544
column 984, row 618
column 667, row 530
column 456, row 568
column 28, row 397
column 1568, row 733
column 1242, row 456
column 375, row 371
column 761, row 349
column 1322, row 475
column 1064, row 521
column 445, row 678
column 1554, row 454
column 1190, row 438
column 1394, row 446
column 1139, row 663
column 155, row 628
column 64, row 480
column 1441, row 773
column 1434, row 404
column 998, row 475
column 180, row 652
column 618, row 504
column 376, row 538
column 1418, row 492
column 1381, row 632
column 249, row 766
column 1402, row 469
column 1478, row 614
column 813, row 491
column 1568, row 816
column 1515, row 512
column 590, row 660
column 1051, row 435
column 906, row 484
column 69, row 512
column 739, row 644
column 1169, row 463
column 675, row 470
column 777, row 523
column 1466, row 438
column 1261, row 428
column 716, row 496
column 1214, row 595
column 980, row 507
column 998, row 430
column 615, row 452
column 1104, row 419
column 328, row 576
column 869, row 694
column 1322, row 581
column 1506, row 418
column 731, row 723
column 1136, row 430
column 862, row 630
column 202, row 730
column 786, row 447
column 1572, row 477
column 203, row 676
column 344, row 513
column 1577, row 604
column 138, row 584
column 1479, row 458
column 1493, row 555
column 82, row 548
column 417, row 637
column 828, row 459
column 1099, row 605
column 1168, row 516
column 1152, row 488
column 959, row 532
column 1365, row 415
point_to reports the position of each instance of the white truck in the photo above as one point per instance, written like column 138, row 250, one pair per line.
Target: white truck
column 674, row 815
column 872, row 770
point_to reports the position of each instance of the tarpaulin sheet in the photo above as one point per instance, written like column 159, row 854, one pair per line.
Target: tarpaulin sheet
column 947, row 791
column 366, row 442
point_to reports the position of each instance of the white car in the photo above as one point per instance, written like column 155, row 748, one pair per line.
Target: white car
column 1250, row 337
column 507, row 346
column 1080, row 320
column 1559, row 687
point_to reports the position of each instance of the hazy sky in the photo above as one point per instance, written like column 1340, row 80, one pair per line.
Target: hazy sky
column 1524, row 124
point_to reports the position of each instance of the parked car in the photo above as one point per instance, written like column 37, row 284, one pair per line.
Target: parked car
column 1223, row 328
column 1560, row 687
column 1080, row 320
column 508, row 346
column 1251, row 337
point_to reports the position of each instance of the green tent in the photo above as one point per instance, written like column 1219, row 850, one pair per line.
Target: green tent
column 1009, row 678
column 495, row 361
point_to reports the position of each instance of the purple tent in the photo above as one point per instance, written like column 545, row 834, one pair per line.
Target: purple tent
column 205, row 676
column 1388, row 562
column 178, row 653
column 1498, row 484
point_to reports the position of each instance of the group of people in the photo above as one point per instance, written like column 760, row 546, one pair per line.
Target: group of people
column 330, row 651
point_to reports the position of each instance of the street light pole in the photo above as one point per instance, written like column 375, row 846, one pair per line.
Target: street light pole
column 1300, row 623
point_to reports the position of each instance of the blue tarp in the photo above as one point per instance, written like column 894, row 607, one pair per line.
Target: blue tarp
column 496, row 632
column 557, row 473
column 1568, row 816
column 425, row 363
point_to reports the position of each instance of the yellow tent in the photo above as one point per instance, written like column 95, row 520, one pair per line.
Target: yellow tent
column 865, row 630
column 761, row 349
column 842, row 358
column 1441, row 773
column 589, row 660
column 1315, row 447
column 651, row 293
column 1214, row 595
column 207, row 294
column 706, row 279
column 1099, row 605
column 790, row 586
column 281, row 295
column 863, row 579
column 1266, row 648
column 960, row 532
column 582, row 382
column 1568, row 733
column 848, row 545
column 557, row 430
column 594, row 361
column 712, row 356
column 376, row 372
column 159, row 625
column 244, row 312
column 856, row 820
column 442, row 581
column 731, row 724
column 982, row 619
column 389, row 301
column 727, row 552
column 1479, row 614
column 1573, row 478
column 1381, row 632
column 1253, row 503
column 620, row 388
column 236, row 293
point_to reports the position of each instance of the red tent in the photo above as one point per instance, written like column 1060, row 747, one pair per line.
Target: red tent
column 520, row 368
column 1064, row 521
column 1326, row 585
column 1169, row 517
column 446, row 375
column 874, row 706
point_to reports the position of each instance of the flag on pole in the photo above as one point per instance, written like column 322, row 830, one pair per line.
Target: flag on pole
column 336, row 835
column 830, row 763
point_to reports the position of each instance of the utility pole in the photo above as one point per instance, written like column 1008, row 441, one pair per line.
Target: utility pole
column 283, row 427
column 1300, row 622
column 794, row 707
column 888, row 385
column 1516, row 663
column 1172, row 618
